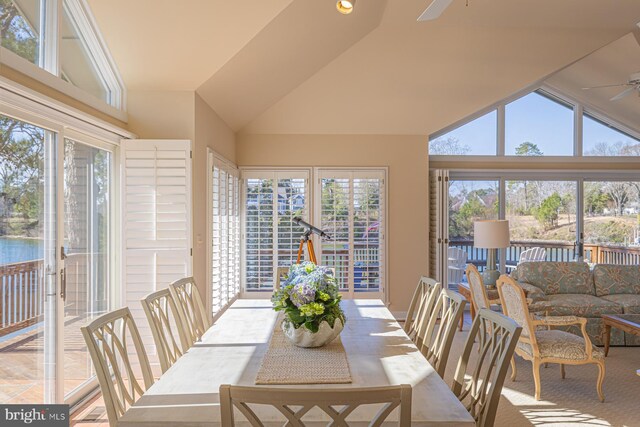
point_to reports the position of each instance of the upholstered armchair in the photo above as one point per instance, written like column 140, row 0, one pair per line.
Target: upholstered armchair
column 541, row 344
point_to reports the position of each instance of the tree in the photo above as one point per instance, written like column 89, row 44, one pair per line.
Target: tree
column 450, row 146
column 21, row 173
column 548, row 212
column 528, row 149
column 619, row 148
column 595, row 200
column 619, row 193
column 15, row 32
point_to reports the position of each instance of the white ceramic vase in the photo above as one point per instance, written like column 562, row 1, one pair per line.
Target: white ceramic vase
column 302, row 337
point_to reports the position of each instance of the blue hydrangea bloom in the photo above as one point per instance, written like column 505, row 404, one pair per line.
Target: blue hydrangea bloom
column 302, row 293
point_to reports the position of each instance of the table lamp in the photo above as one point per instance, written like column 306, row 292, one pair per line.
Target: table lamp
column 492, row 235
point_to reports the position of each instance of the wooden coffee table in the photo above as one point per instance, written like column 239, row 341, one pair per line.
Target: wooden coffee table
column 629, row 323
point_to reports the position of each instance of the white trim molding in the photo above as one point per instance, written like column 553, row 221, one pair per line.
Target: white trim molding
column 14, row 95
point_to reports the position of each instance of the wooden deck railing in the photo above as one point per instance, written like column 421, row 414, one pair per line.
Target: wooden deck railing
column 21, row 295
column 556, row 251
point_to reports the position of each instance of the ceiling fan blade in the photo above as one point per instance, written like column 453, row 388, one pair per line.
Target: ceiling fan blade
column 600, row 87
column 623, row 94
column 434, row 10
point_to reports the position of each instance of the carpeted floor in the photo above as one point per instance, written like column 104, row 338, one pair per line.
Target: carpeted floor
column 572, row 401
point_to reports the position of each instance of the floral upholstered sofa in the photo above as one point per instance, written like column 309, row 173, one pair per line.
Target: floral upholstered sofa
column 571, row 288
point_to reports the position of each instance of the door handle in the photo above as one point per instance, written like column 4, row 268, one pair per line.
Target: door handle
column 63, row 283
column 63, row 275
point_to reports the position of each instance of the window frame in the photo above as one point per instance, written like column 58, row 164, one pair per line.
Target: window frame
column 263, row 173
column 351, row 173
column 48, row 71
column 214, row 159
column 313, row 191
column 65, row 122
column 574, row 175
column 580, row 108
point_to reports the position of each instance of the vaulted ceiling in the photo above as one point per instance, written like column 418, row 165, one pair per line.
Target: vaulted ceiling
column 609, row 65
column 297, row 66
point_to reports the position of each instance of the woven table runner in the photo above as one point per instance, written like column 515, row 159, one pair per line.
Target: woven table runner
column 284, row 363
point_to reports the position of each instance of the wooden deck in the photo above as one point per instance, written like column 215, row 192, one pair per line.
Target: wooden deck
column 21, row 363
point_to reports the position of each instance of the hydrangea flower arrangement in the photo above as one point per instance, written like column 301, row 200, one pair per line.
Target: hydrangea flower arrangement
column 309, row 296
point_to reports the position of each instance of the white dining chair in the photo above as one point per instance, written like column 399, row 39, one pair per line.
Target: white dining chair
column 166, row 326
column 295, row 403
column 107, row 339
column 435, row 344
column 421, row 306
column 191, row 310
column 478, row 380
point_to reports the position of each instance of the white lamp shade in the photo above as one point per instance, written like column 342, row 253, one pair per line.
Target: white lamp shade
column 491, row 234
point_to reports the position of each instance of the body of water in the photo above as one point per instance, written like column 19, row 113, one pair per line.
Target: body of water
column 20, row 250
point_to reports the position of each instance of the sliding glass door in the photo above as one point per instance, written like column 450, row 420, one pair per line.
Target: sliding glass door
column 55, row 263
column 542, row 213
column 612, row 221
column 28, row 267
column 571, row 217
column 470, row 200
column 87, row 249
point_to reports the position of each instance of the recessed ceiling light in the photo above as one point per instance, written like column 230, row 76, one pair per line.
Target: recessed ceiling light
column 345, row 6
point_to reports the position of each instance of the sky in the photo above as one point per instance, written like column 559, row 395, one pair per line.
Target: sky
column 537, row 119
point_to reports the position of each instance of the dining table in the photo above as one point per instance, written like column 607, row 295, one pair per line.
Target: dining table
column 378, row 351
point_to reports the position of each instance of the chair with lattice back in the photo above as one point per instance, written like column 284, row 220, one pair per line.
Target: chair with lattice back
column 281, row 276
column 421, row 306
column 294, row 404
column 108, row 340
column 191, row 310
column 166, row 326
column 478, row 381
column 435, row 343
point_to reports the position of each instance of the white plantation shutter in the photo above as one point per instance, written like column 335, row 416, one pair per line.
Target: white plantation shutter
column 156, row 227
column 335, row 219
column 438, row 224
column 271, row 200
column 351, row 206
column 225, row 241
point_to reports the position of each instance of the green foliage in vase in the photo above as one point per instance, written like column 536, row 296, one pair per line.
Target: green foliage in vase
column 309, row 296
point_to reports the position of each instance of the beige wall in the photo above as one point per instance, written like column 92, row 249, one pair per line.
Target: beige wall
column 406, row 158
column 162, row 114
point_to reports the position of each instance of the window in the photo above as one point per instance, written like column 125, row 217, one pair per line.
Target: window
column 20, row 28
column 69, row 48
column 77, row 63
column 477, row 137
column 225, row 229
column 541, row 123
column 602, row 139
column 469, row 201
column 351, row 210
column 542, row 213
column 611, row 221
column 538, row 125
column 271, row 200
